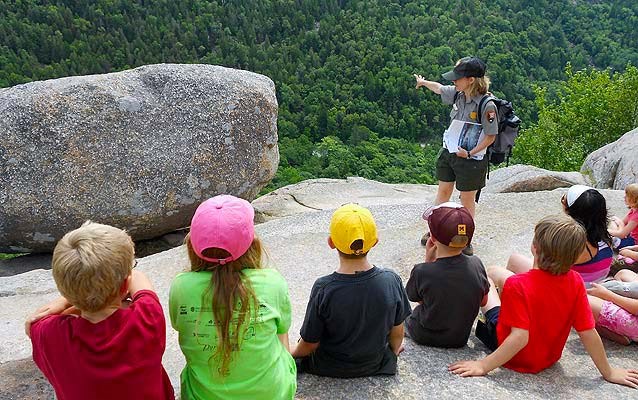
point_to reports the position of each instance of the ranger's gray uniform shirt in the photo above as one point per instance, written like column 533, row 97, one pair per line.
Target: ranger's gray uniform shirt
column 466, row 109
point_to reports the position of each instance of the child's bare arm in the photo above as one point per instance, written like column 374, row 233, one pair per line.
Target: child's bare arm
column 602, row 292
column 513, row 343
column 304, row 348
column 283, row 338
column 630, row 252
column 623, row 231
column 594, row 347
column 484, row 300
column 395, row 339
column 57, row 306
column 138, row 281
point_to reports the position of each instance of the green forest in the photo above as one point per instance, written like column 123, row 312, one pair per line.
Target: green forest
column 343, row 69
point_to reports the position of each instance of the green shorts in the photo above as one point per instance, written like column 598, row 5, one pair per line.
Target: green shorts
column 469, row 175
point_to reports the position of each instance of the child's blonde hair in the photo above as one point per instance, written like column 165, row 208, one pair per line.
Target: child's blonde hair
column 90, row 264
column 558, row 241
column 228, row 293
column 631, row 192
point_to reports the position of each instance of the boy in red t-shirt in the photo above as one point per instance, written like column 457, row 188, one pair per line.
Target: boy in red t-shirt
column 91, row 343
column 527, row 328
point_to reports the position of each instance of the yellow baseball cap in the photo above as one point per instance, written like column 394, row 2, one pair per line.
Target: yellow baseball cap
column 352, row 222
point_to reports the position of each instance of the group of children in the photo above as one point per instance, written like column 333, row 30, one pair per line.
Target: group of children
column 104, row 338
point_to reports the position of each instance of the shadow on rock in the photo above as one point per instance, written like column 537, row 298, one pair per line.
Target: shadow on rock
column 25, row 263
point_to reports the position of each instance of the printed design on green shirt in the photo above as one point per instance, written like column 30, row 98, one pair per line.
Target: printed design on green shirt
column 204, row 326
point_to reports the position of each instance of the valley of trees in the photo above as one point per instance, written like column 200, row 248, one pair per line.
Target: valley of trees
column 343, row 68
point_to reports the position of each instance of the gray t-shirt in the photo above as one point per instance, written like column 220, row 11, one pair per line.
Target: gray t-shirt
column 450, row 290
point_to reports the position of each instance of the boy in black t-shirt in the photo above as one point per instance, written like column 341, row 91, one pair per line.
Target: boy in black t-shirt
column 354, row 320
column 449, row 286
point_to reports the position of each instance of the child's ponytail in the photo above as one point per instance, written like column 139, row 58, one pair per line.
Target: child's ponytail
column 233, row 297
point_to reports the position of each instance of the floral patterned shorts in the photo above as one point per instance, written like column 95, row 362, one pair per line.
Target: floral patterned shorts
column 619, row 320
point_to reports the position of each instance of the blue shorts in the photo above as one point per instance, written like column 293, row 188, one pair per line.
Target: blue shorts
column 628, row 241
column 486, row 331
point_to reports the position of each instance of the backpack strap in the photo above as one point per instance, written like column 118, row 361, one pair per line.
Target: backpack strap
column 486, row 97
column 456, row 96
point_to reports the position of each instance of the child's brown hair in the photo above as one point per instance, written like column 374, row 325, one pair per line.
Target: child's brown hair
column 558, row 242
column 90, row 264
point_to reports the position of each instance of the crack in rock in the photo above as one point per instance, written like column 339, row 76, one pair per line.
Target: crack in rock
column 302, row 204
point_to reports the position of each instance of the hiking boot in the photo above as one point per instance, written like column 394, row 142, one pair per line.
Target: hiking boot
column 425, row 238
column 469, row 250
column 618, row 338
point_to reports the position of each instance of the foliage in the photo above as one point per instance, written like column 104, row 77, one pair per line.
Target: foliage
column 384, row 159
column 342, row 68
column 592, row 108
column 6, row 256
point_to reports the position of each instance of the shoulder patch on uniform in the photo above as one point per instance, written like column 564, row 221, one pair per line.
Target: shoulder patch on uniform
column 491, row 115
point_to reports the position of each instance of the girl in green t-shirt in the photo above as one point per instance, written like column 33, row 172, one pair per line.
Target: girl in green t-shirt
column 232, row 314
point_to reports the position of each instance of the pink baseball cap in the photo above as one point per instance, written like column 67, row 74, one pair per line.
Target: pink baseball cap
column 224, row 222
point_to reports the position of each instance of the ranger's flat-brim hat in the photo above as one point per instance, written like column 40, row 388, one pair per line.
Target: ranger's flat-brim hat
column 466, row 67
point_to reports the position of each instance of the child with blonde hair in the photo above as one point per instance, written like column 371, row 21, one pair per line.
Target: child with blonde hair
column 626, row 229
column 528, row 326
column 232, row 314
column 90, row 343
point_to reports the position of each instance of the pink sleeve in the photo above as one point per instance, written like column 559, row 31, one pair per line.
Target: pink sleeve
column 632, row 215
column 513, row 306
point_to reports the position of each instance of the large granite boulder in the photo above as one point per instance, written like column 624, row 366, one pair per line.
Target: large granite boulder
column 137, row 149
column 615, row 165
column 298, row 249
column 527, row 178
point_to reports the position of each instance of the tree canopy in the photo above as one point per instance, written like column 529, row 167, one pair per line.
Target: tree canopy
column 342, row 68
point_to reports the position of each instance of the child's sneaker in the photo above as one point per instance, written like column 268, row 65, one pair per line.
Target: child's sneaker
column 481, row 317
column 607, row 334
column 615, row 243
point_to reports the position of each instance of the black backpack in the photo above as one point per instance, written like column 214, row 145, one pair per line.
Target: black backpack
column 508, row 127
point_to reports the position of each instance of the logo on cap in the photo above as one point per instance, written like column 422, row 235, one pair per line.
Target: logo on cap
column 351, row 223
column 462, row 229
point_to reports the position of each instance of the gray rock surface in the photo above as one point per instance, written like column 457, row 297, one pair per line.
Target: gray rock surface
column 297, row 247
column 527, row 178
column 615, row 165
column 137, row 149
column 321, row 194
